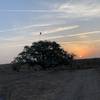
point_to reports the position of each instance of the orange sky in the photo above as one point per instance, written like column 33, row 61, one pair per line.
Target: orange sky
column 80, row 50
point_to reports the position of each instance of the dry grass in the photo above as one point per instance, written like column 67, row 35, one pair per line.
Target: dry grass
column 50, row 85
column 61, row 85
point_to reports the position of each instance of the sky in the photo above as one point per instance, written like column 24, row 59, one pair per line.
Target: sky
column 75, row 24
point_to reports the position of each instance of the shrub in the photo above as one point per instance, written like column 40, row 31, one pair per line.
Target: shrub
column 44, row 53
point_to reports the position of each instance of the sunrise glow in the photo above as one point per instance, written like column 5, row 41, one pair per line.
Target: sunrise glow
column 80, row 50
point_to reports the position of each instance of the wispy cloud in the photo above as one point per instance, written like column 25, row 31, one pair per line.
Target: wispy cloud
column 84, row 9
column 61, row 29
column 81, row 41
column 21, row 38
column 84, row 33
column 25, row 27
column 21, row 43
column 29, row 11
column 70, row 9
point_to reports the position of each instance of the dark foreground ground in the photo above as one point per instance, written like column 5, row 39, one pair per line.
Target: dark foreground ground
column 82, row 84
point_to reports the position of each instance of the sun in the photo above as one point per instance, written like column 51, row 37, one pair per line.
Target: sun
column 81, row 51
column 80, row 56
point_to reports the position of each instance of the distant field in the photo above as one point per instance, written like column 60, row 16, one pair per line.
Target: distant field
column 87, row 63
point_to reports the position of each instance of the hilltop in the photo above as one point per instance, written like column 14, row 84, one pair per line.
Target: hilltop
column 52, row 85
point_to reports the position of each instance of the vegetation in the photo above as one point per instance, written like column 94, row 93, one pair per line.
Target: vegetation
column 44, row 53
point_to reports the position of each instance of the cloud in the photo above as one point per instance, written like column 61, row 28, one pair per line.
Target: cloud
column 43, row 37
column 25, row 27
column 71, row 8
column 27, row 39
column 80, row 9
column 61, row 29
column 29, row 11
column 84, row 33
column 36, row 33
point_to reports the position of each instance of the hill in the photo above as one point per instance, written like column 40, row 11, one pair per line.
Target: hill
column 87, row 63
column 60, row 85
column 51, row 85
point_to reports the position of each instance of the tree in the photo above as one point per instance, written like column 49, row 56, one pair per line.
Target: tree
column 44, row 53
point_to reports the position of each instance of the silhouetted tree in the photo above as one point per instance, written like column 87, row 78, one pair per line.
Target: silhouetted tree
column 44, row 53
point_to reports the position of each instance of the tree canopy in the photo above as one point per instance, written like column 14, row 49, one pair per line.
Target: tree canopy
column 47, row 54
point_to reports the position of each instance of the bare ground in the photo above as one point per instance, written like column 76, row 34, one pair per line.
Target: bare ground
column 51, row 85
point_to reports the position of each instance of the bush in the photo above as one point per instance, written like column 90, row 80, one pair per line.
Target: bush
column 44, row 53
